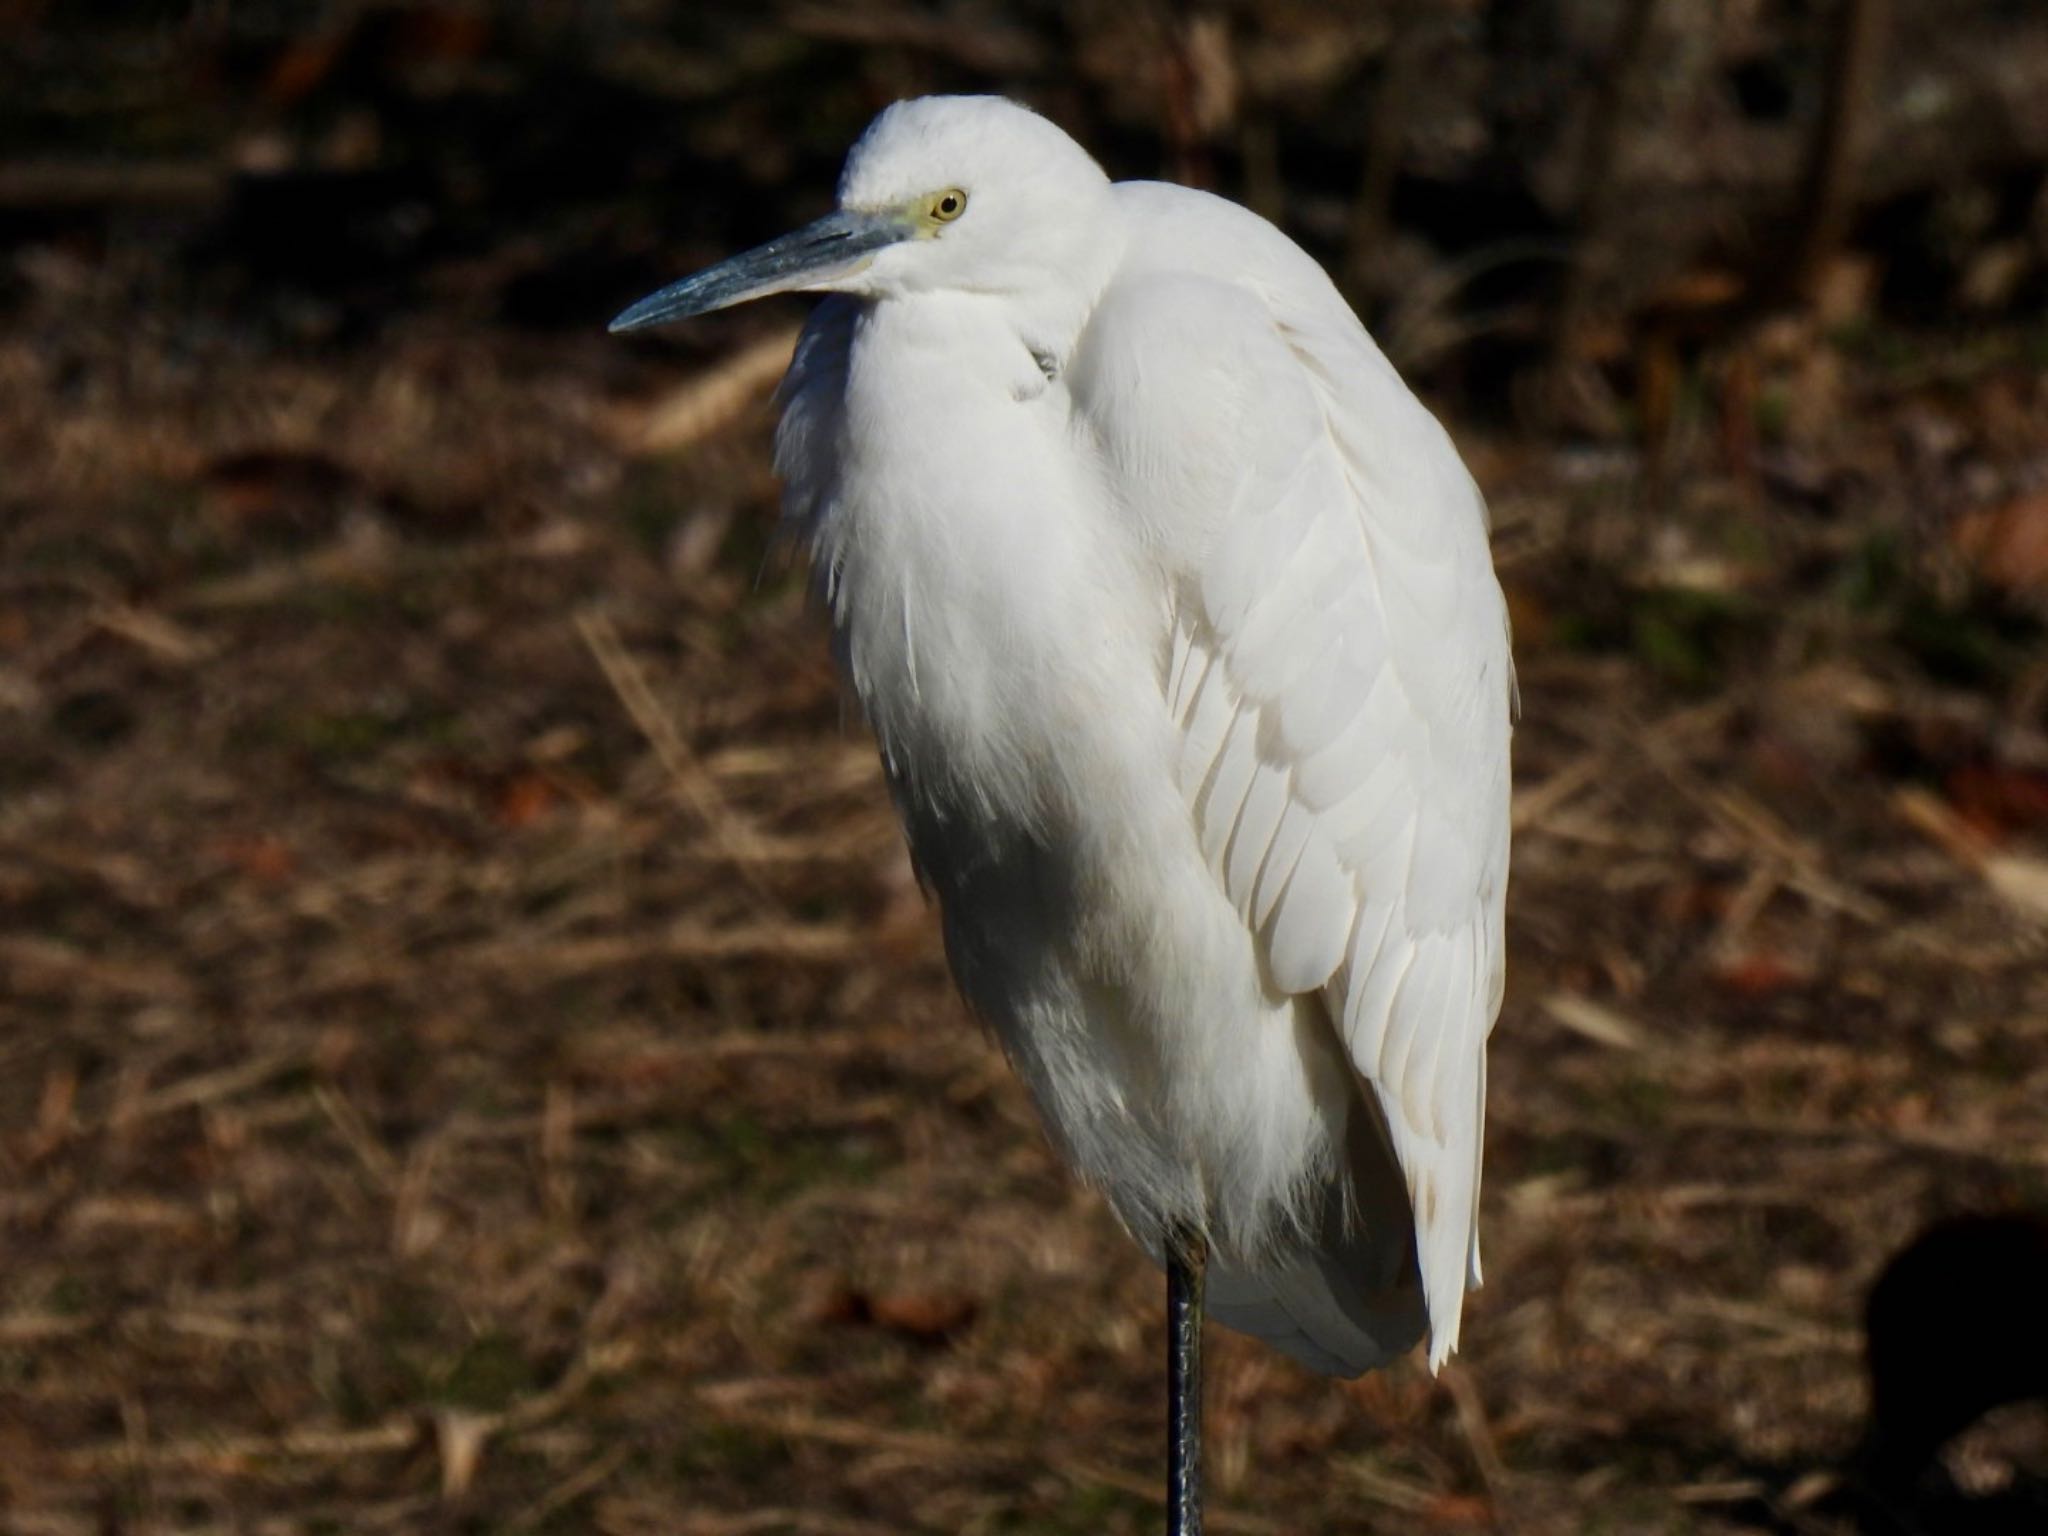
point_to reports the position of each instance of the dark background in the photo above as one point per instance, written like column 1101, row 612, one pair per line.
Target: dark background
column 472, row 1055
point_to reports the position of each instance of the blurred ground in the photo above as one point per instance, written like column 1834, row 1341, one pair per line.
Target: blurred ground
column 472, row 1057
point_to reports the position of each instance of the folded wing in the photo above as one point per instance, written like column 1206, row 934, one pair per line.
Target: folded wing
column 1340, row 677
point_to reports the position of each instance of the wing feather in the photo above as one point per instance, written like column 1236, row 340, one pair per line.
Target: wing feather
column 1204, row 723
column 1339, row 674
column 1297, row 825
column 1312, row 923
column 1252, row 840
column 1230, row 780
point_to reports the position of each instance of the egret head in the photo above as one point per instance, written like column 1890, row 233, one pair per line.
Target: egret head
column 964, row 193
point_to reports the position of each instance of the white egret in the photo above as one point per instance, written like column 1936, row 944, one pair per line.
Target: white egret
column 1173, row 613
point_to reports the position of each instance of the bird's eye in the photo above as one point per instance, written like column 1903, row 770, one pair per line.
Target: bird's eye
column 948, row 205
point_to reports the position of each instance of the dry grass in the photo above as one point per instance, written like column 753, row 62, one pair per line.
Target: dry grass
column 475, row 1060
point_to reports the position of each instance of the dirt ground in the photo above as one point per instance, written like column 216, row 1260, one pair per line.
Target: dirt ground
column 473, row 1056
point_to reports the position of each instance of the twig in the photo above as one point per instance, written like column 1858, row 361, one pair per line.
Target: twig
column 152, row 632
column 684, row 941
column 1386, row 1488
column 1533, row 804
column 1829, row 185
column 756, row 1521
column 928, row 1448
column 79, row 182
column 712, row 401
column 348, row 559
column 732, row 831
column 1472, row 1422
column 209, row 1087
column 1773, row 1320
column 1080, row 1471
column 1603, row 1026
column 34, row 964
column 377, row 1161
column 2017, row 1152
column 1796, row 862
column 234, row 1454
column 230, row 1454
column 1747, row 905
column 570, row 1489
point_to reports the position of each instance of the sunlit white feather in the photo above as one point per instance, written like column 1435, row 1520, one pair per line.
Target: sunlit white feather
column 1173, row 614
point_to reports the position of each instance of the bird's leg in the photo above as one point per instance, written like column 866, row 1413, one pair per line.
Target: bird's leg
column 1187, row 1255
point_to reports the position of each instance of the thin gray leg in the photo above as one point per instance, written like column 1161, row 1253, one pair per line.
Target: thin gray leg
column 1186, row 1257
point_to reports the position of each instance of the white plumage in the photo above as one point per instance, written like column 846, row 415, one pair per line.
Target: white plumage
column 1173, row 614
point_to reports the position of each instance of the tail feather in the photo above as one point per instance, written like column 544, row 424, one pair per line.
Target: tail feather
column 1314, row 1310
column 1350, row 1298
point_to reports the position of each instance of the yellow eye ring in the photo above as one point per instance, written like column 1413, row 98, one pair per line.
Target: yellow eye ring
column 947, row 206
